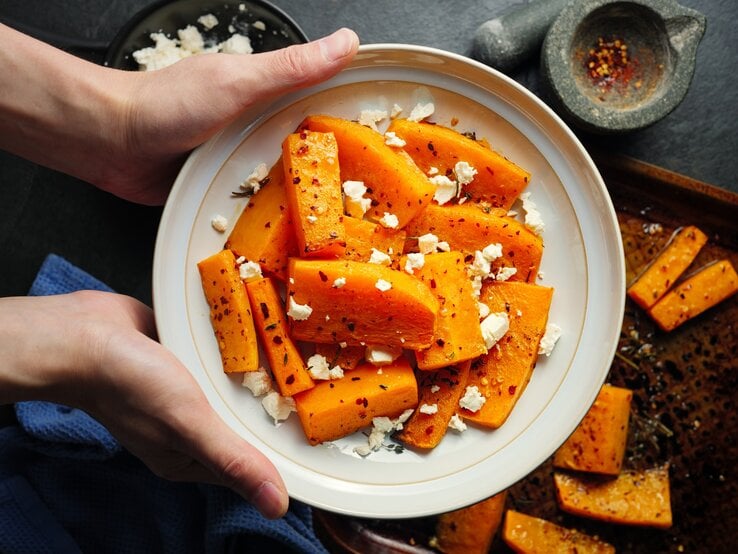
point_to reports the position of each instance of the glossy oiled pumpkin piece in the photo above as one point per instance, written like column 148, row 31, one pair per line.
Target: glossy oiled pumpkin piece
column 470, row 530
column 632, row 498
column 663, row 272
column 270, row 321
column 362, row 236
column 531, row 535
column 469, row 228
column 230, row 312
column 336, row 408
column 360, row 303
column 313, row 186
column 458, row 336
column 264, row 232
column 498, row 180
column 702, row 291
column 598, row 443
column 394, row 182
column 341, row 355
column 502, row 374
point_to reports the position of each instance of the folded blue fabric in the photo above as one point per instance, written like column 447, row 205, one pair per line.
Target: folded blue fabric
column 66, row 485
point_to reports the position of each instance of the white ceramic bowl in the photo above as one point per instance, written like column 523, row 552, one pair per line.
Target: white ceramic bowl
column 583, row 260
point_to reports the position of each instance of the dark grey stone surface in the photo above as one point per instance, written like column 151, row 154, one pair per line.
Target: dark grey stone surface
column 42, row 211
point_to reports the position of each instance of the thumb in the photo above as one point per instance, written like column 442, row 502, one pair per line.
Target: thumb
column 277, row 72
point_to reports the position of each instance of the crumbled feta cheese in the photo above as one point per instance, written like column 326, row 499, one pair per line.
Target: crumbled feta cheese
column 191, row 40
column 259, row 25
column 428, row 409
column 391, row 139
column 336, row 372
column 519, row 313
column 319, row 369
column 389, row 221
column 277, row 406
column 208, row 21
column 165, row 52
column 464, row 172
column 421, row 111
column 312, row 218
column 492, row 251
column 252, row 183
column 457, row 424
column 427, row 243
column 381, row 427
column 396, row 110
column 549, row 339
column 483, row 310
column 443, row 246
column 370, row 118
column 240, row 259
column 258, row 382
column 381, row 355
column 414, row 261
column 512, row 213
column 481, row 266
column 446, row 189
column 383, row 285
column 236, row 44
column 354, row 192
column 339, row 282
column 494, row 327
column 219, row 223
column 297, row 311
column 533, row 220
column 249, row 270
column 432, row 171
column 504, row 273
column 476, row 286
column 435, row 389
column 472, row 399
column 380, row 258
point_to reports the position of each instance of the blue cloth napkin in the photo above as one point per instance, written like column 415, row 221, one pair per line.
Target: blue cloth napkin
column 66, row 485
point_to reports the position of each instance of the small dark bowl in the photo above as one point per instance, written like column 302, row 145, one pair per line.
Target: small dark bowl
column 168, row 16
column 658, row 39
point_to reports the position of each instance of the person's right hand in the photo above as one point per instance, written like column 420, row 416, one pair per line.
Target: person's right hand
column 96, row 351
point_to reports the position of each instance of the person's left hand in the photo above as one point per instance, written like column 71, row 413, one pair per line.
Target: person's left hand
column 168, row 112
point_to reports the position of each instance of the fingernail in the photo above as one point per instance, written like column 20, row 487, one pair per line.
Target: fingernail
column 270, row 500
column 338, row 45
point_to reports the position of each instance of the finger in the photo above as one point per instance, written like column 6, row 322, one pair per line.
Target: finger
column 273, row 73
column 239, row 466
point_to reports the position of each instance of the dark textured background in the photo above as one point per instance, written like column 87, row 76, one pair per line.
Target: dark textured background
column 42, row 211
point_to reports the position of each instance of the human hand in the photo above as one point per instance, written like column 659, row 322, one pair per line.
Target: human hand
column 129, row 132
column 95, row 351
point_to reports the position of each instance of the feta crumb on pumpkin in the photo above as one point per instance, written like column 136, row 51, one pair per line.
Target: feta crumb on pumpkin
column 472, row 399
column 354, row 192
column 208, row 21
column 481, row 266
column 258, row 382
column 443, row 246
column 319, row 369
column 504, row 273
column 483, row 310
column 457, row 424
column 380, row 258
column 298, row 312
column 414, row 261
column 476, row 286
column 339, row 282
column 396, row 110
column 421, row 111
column 249, row 270
column 219, row 223
column 427, row 243
column 549, row 339
column 464, row 172
column 391, row 139
column 494, row 327
column 277, row 406
column 389, row 221
column 312, row 218
column 492, row 251
column 446, row 189
column 383, row 285
column 428, row 409
column 533, row 220
column 432, row 171
column 370, row 118
column 435, row 389
column 381, row 355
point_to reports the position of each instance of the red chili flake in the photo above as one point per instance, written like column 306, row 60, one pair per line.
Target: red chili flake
column 264, row 310
column 429, row 430
column 303, row 149
column 323, row 276
column 511, row 389
column 608, row 62
column 276, row 339
column 290, row 379
column 296, row 181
